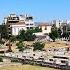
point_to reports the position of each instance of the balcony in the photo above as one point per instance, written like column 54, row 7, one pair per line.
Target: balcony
column 13, row 19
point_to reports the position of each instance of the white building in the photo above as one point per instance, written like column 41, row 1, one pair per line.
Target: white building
column 16, row 23
column 57, row 23
column 17, row 27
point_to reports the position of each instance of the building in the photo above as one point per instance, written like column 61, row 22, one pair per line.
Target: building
column 17, row 27
column 46, row 28
column 57, row 23
column 16, row 23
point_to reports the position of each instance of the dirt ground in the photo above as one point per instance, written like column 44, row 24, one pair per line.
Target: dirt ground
column 57, row 44
column 24, row 67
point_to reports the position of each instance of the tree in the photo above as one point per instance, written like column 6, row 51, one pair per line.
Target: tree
column 38, row 46
column 1, row 59
column 2, row 42
column 20, row 46
column 54, row 34
column 13, row 38
column 37, row 29
column 3, row 31
column 29, row 36
column 21, row 36
column 26, row 35
column 59, row 32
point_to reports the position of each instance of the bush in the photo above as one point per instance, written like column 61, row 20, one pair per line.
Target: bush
column 1, row 59
column 13, row 38
column 20, row 46
column 38, row 46
column 14, row 60
column 54, row 34
column 26, row 35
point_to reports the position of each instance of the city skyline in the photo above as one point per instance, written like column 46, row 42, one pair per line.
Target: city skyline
column 42, row 10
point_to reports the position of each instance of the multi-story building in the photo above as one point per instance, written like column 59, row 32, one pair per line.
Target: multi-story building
column 16, row 23
column 57, row 23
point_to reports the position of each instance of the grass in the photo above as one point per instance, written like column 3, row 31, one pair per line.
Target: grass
column 25, row 67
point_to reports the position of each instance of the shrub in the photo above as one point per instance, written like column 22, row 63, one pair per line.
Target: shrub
column 1, row 59
column 20, row 46
column 38, row 46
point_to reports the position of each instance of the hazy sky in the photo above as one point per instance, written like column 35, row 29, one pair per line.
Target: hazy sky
column 42, row 10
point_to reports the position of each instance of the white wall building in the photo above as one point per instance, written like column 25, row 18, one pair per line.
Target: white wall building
column 57, row 23
column 18, row 23
column 17, row 27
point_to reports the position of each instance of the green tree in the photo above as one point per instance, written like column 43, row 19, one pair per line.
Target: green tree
column 59, row 32
column 26, row 35
column 13, row 38
column 37, row 29
column 21, row 36
column 3, row 32
column 54, row 34
column 1, row 59
column 38, row 46
column 20, row 46
column 29, row 36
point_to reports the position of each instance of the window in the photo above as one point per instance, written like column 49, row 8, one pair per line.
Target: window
column 50, row 59
column 27, row 24
column 31, row 27
column 27, row 27
column 33, row 54
column 45, row 28
column 8, row 25
column 59, row 24
column 9, row 32
column 63, row 61
column 31, row 24
column 9, row 28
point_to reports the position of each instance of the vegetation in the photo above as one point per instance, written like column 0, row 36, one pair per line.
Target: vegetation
column 1, row 60
column 20, row 46
column 2, row 42
column 37, row 29
column 29, row 36
column 54, row 33
column 38, row 46
column 14, row 60
column 59, row 32
column 13, row 38
column 3, row 32
column 26, row 35
column 21, row 36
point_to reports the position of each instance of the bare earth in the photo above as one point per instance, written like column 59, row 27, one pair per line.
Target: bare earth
column 25, row 67
column 57, row 44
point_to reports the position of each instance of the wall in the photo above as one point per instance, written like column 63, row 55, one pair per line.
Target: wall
column 17, row 28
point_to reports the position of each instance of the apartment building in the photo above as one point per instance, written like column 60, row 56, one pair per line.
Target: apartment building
column 16, row 23
column 57, row 23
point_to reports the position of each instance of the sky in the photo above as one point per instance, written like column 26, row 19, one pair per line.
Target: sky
column 42, row 10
